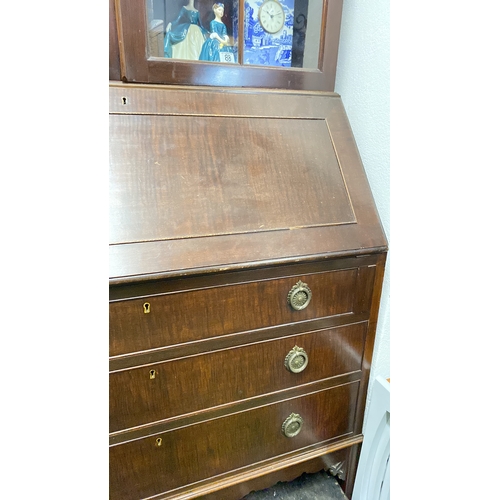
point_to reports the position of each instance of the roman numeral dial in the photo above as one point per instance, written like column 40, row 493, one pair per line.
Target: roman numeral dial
column 271, row 16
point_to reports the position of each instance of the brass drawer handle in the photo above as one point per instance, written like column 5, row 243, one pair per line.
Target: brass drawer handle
column 299, row 296
column 296, row 360
column 292, row 425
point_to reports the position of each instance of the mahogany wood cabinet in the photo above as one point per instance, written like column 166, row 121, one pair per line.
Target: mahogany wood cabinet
column 246, row 267
column 246, row 263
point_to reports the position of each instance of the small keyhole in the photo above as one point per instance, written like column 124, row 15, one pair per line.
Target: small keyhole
column 147, row 308
column 152, row 374
column 124, row 100
column 158, row 441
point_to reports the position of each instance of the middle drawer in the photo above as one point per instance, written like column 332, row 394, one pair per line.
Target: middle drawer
column 147, row 394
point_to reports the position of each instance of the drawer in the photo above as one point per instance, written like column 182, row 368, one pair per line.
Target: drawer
column 154, row 392
column 189, row 315
column 152, row 465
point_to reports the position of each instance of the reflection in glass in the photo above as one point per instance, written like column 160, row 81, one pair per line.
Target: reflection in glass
column 156, row 30
column 306, row 33
column 192, row 30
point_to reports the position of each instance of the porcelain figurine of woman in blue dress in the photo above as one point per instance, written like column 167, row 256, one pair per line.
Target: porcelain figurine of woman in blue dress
column 185, row 36
column 218, row 36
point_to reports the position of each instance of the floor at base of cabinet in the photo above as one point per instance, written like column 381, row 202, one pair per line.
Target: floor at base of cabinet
column 319, row 486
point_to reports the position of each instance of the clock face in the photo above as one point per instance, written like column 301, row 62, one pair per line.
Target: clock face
column 271, row 16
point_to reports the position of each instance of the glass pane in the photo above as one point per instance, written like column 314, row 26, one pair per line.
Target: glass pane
column 282, row 33
column 193, row 30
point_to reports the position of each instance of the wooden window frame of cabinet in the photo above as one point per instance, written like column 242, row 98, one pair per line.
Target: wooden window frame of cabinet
column 137, row 67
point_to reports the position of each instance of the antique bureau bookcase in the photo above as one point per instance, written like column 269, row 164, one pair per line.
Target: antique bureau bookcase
column 246, row 261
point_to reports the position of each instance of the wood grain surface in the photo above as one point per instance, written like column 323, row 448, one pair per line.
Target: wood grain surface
column 181, row 317
column 209, row 176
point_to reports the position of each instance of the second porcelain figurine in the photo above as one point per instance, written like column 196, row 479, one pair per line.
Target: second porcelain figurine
column 218, row 36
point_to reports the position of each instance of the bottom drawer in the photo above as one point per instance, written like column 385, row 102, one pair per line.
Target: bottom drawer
column 156, row 464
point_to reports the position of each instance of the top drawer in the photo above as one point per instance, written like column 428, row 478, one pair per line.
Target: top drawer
column 184, row 316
